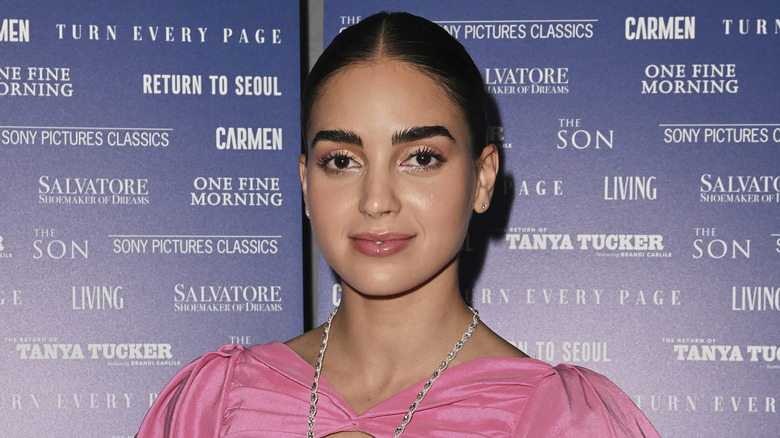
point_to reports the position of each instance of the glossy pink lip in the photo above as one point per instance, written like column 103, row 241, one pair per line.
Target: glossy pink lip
column 380, row 245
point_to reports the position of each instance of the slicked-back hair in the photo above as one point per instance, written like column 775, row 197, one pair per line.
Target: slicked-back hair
column 418, row 42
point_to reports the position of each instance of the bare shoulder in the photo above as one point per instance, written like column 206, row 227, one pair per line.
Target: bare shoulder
column 489, row 344
column 307, row 345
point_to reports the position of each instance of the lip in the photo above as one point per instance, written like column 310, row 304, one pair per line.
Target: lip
column 380, row 244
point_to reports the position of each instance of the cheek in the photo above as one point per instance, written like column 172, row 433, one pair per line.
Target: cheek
column 328, row 202
column 449, row 201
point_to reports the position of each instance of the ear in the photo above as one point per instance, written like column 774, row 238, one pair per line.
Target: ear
column 302, row 171
column 487, row 172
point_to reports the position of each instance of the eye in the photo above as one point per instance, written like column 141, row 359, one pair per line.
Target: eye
column 338, row 162
column 423, row 158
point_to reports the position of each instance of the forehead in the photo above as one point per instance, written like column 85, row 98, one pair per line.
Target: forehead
column 388, row 91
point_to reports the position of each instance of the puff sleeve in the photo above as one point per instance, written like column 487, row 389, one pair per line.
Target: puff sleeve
column 193, row 403
column 577, row 402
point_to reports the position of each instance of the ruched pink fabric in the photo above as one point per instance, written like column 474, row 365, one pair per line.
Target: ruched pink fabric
column 264, row 390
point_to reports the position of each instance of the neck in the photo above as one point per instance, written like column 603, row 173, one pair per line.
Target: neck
column 414, row 330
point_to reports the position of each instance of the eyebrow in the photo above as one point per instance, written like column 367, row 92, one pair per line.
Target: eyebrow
column 337, row 136
column 420, row 133
column 407, row 135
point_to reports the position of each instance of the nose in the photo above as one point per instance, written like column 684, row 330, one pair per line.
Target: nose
column 379, row 194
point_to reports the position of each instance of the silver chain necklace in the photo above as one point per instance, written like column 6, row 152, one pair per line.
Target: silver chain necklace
column 420, row 395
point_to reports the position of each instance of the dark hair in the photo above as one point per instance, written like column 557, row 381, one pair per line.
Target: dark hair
column 417, row 41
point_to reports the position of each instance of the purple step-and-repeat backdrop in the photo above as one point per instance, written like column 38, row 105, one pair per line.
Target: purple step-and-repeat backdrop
column 635, row 229
column 149, row 200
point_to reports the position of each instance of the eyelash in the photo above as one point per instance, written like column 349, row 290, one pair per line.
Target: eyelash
column 425, row 150
column 326, row 161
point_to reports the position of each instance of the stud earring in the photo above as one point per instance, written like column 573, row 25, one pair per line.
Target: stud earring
column 308, row 213
column 484, row 205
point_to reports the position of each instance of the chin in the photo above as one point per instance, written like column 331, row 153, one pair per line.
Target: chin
column 389, row 281
column 381, row 288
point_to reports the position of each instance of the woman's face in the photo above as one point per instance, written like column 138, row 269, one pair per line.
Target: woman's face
column 389, row 181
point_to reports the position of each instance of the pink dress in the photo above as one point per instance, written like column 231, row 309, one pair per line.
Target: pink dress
column 264, row 391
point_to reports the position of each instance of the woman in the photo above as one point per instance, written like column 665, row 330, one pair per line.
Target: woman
column 396, row 161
